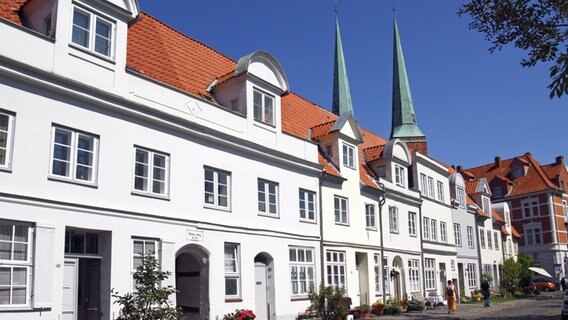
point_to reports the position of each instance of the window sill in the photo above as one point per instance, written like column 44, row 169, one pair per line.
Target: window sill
column 87, row 51
column 212, row 207
column 6, row 169
column 342, row 224
column 18, row 308
column 265, row 125
column 269, row 215
column 371, row 228
column 308, row 221
column 71, row 181
column 150, row 195
column 229, row 300
column 299, row 298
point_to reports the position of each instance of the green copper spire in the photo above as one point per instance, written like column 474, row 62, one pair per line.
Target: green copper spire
column 341, row 95
column 404, row 123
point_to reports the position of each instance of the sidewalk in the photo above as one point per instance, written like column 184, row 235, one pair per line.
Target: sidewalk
column 465, row 311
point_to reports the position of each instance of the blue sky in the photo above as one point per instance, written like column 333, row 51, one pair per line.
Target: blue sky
column 472, row 105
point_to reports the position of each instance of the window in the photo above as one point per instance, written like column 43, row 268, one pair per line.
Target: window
column 507, row 219
column 267, row 197
column 386, row 274
column 335, row 268
column 348, row 156
column 470, row 242
column 533, row 235
column 217, row 188
column 232, row 270
column 370, row 216
column 482, row 238
column 414, row 275
column 235, row 104
column 517, row 171
column 564, row 206
column 92, row 32
column 263, row 107
column 430, row 273
column 425, row 228
column 440, row 187
column 457, row 234
column 74, row 155
column 498, row 192
column 377, row 264
column 431, row 187
column 15, row 263
column 443, row 232
column 471, row 275
column 509, row 247
column 302, row 270
column 151, row 172
column 496, row 238
column 393, row 219
column 381, row 171
column 489, row 240
column 412, row 223
column 423, row 185
column 307, row 205
column 434, row 229
column 329, row 150
column 460, row 195
column 77, row 242
column 530, row 207
column 486, row 206
column 6, row 137
column 341, row 210
column 399, row 175
column 141, row 248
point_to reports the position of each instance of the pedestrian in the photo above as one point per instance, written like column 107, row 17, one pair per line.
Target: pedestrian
column 451, row 297
column 485, row 293
column 563, row 284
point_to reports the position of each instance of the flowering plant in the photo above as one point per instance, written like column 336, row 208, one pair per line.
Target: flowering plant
column 240, row 314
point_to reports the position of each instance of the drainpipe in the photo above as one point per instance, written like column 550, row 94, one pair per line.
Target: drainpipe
column 322, row 258
column 382, row 201
column 422, row 248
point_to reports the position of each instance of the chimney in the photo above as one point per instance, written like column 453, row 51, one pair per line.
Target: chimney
column 560, row 160
column 497, row 162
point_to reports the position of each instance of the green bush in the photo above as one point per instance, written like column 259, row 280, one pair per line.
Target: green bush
column 327, row 302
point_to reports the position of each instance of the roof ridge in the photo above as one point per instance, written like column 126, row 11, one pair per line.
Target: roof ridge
column 323, row 124
column 313, row 103
column 185, row 35
column 540, row 172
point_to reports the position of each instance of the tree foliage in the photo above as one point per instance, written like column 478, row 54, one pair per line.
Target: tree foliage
column 516, row 272
column 151, row 300
column 537, row 26
column 327, row 303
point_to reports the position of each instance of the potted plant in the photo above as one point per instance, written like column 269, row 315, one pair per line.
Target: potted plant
column 363, row 311
column 377, row 308
column 476, row 295
column 404, row 305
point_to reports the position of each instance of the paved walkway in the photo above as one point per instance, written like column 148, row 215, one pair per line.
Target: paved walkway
column 466, row 311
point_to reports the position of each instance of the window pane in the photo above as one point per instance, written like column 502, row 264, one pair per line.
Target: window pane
column 141, row 169
column 84, row 173
column 92, row 243
column 19, row 296
column 81, row 26
column 231, row 287
column 102, row 38
column 5, row 251
column 140, row 184
column 84, row 157
column 4, row 296
column 136, row 262
column 4, row 276
column 293, row 255
column 20, row 276
column 20, row 251
column 85, row 143
column 159, row 174
column 159, row 161
column 309, row 256
column 257, row 106
column 158, row 187
column 61, row 152
column 141, row 156
column 6, row 232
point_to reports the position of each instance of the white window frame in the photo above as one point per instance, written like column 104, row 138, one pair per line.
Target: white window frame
column 486, row 203
column 377, row 269
column 302, row 271
column 532, row 234
column 482, row 238
column 6, row 164
column 457, row 234
column 72, row 160
column 423, row 185
column 234, row 273
column 348, row 155
column 336, row 268
column 471, row 270
column 270, row 205
column 460, row 195
column 399, row 175
column 146, row 243
column 430, row 187
column 9, row 264
column 530, row 207
column 92, row 32
column 564, row 210
column 341, row 209
column 263, row 113
column 150, row 168
column 470, row 242
column 434, row 230
column 414, row 275
column 430, row 273
column 307, row 205
column 425, row 228
column 443, row 232
column 489, row 240
column 496, row 240
column 393, row 219
column 370, row 216
column 386, row 274
column 412, row 223
column 214, row 199
column 440, row 194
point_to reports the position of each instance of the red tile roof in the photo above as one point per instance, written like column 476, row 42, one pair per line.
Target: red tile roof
column 534, row 180
column 9, row 10
column 327, row 166
column 365, row 175
column 515, row 233
column 471, row 187
column 374, row 153
column 504, row 230
column 299, row 115
column 497, row 216
column 321, row 129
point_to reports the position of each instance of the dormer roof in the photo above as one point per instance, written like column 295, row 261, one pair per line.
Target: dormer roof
column 256, row 64
column 373, row 153
column 10, row 10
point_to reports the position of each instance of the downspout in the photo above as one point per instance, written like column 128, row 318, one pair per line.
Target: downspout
column 382, row 201
column 422, row 248
column 478, row 247
column 552, row 210
column 322, row 267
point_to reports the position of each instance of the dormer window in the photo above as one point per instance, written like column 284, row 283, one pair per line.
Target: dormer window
column 517, row 171
column 486, row 206
column 460, row 196
column 399, row 175
column 381, row 171
column 263, row 107
column 92, row 32
column 329, row 150
column 497, row 192
column 348, row 156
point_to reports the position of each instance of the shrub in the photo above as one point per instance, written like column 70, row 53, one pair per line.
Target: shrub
column 327, row 303
column 240, row 314
column 392, row 309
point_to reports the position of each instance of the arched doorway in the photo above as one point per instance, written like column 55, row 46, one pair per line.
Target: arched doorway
column 264, row 292
column 398, row 276
column 192, row 282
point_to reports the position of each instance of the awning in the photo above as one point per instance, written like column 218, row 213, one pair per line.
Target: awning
column 540, row 271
